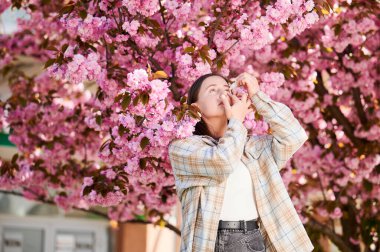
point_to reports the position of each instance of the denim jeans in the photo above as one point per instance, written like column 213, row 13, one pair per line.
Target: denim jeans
column 234, row 240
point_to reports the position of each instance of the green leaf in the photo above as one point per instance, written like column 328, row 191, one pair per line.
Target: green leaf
column 126, row 101
column 63, row 194
column 145, row 98
column 49, row 63
column 14, row 158
column 98, row 119
column 220, row 62
column 60, row 59
column 140, row 217
column 139, row 119
column 50, row 145
column 368, row 186
column 142, row 163
column 156, row 32
column 16, row 4
column 136, row 100
column 204, row 54
column 118, row 98
column 180, row 115
column 144, row 142
column 67, row 9
column 83, row 14
column 87, row 190
column 189, row 49
column 32, row 7
column 152, row 23
column 64, row 47
column 51, row 48
column 54, row 180
column 337, row 29
column 122, row 130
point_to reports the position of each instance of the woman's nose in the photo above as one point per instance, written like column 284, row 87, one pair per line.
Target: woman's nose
column 220, row 95
column 224, row 91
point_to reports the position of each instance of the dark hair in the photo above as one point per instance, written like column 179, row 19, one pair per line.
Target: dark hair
column 201, row 127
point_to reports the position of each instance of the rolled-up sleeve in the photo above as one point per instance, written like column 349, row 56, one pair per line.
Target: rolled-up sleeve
column 287, row 133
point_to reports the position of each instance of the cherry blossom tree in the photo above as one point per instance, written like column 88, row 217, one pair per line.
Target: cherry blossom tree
column 79, row 150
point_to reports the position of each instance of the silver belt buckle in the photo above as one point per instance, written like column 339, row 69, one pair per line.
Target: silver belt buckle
column 244, row 225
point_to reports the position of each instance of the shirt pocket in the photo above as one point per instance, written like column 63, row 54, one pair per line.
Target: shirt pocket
column 257, row 148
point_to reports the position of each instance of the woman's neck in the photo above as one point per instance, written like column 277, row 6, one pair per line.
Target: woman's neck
column 217, row 127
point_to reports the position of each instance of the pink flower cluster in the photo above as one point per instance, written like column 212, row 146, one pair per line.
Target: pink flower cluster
column 131, row 27
column 301, row 23
column 353, row 32
column 181, row 11
column 145, row 7
column 4, row 5
column 90, row 29
column 111, row 199
column 81, row 68
column 257, row 34
column 271, row 82
column 67, row 201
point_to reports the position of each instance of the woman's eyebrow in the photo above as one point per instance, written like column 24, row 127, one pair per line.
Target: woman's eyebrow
column 226, row 85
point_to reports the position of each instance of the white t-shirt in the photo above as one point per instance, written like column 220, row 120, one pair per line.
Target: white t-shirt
column 238, row 202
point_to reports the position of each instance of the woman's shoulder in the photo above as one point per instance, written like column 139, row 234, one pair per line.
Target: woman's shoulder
column 195, row 140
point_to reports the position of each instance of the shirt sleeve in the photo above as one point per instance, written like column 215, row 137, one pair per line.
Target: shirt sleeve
column 287, row 133
column 193, row 157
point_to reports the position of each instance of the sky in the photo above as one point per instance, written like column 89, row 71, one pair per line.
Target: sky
column 8, row 23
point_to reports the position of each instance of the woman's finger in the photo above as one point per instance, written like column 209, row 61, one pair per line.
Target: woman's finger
column 225, row 101
column 234, row 98
column 244, row 98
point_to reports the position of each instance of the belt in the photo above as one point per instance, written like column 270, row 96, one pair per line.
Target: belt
column 241, row 224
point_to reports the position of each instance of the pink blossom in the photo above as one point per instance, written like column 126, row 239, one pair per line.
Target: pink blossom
column 146, row 7
column 131, row 27
column 309, row 5
column 311, row 18
column 4, row 5
column 110, row 174
column 87, row 181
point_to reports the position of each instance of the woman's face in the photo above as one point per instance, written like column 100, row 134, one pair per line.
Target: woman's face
column 209, row 100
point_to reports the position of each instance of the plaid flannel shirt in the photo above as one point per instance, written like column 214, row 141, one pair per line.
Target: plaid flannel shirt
column 201, row 166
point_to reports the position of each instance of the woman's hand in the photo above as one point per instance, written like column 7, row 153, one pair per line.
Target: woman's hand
column 249, row 81
column 239, row 109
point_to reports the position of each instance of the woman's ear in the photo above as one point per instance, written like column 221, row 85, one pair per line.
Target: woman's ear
column 194, row 104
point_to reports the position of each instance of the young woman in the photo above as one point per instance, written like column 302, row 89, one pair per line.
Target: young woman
column 229, row 185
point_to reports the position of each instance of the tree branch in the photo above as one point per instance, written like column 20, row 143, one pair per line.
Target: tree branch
column 319, row 227
column 216, row 23
column 337, row 114
column 165, row 22
column 359, row 106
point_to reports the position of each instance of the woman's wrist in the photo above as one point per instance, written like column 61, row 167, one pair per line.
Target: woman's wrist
column 236, row 118
column 252, row 93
